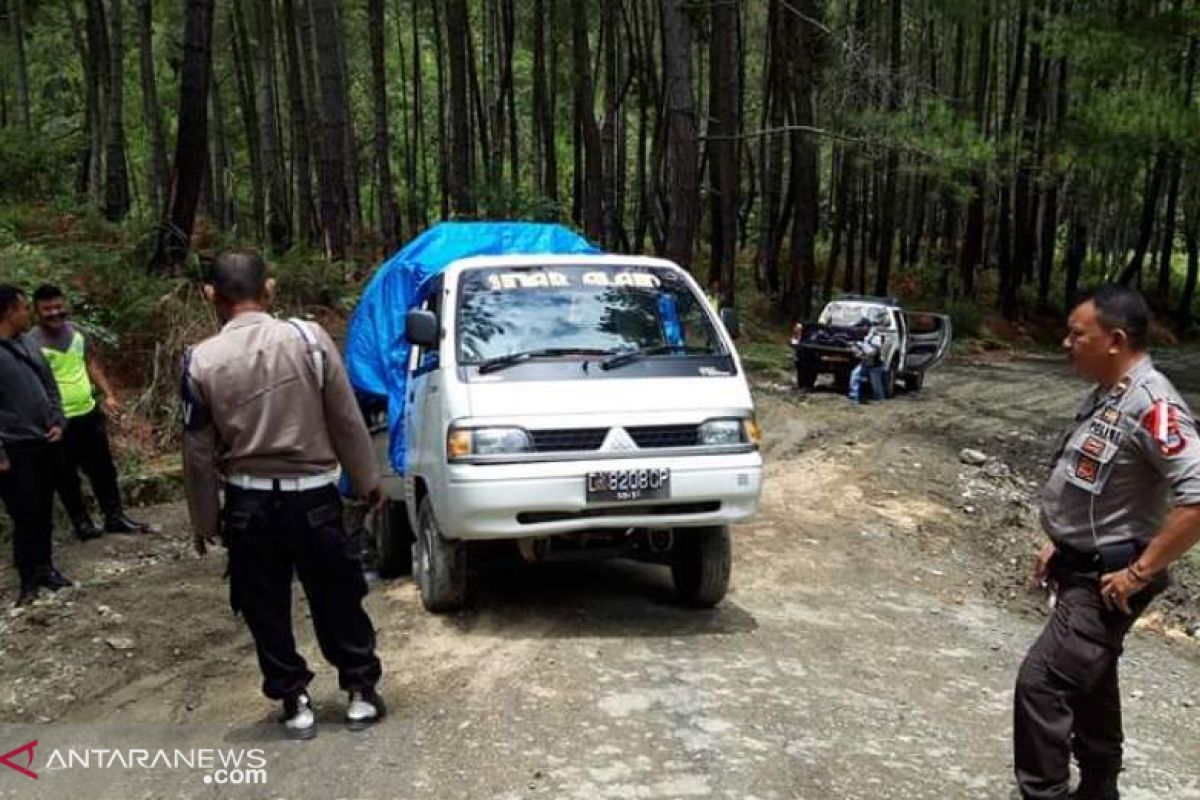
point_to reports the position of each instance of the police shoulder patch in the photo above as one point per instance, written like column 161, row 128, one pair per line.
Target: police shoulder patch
column 1161, row 421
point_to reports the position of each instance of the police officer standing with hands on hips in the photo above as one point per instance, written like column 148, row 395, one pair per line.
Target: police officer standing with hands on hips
column 1122, row 504
column 269, row 411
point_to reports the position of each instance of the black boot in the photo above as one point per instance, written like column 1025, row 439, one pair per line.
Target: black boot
column 119, row 523
column 84, row 529
column 29, row 593
column 54, row 580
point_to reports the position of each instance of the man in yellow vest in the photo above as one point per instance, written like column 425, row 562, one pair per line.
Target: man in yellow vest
column 85, row 442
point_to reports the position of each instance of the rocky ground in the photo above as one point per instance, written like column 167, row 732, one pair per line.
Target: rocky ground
column 867, row 649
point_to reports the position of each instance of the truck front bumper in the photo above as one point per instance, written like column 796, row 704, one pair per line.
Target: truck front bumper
column 512, row 501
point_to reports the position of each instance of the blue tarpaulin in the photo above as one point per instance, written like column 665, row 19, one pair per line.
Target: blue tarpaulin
column 376, row 348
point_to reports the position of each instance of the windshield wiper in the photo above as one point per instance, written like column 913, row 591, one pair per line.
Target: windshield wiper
column 502, row 362
column 621, row 359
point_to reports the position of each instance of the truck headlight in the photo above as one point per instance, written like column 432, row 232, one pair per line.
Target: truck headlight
column 466, row 442
column 718, row 432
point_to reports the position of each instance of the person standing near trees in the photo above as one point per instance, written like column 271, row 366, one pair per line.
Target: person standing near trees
column 31, row 422
column 85, row 444
column 1131, row 450
column 269, row 411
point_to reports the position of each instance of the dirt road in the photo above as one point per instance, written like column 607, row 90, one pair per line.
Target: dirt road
column 867, row 650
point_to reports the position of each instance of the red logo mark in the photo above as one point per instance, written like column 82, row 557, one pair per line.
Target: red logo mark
column 27, row 749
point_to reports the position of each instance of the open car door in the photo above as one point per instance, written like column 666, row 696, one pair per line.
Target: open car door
column 927, row 341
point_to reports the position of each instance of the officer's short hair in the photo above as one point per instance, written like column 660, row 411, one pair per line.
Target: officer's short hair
column 1119, row 307
column 239, row 274
column 46, row 292
column 9, row 295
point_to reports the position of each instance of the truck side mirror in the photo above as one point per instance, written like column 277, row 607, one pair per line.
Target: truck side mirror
column 729, row 319
column 421, row 328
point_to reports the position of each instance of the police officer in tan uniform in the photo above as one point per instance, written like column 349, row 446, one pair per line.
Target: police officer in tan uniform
column 269, row 413
column 1122, row 503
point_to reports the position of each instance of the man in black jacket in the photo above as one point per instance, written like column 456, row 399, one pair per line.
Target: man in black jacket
column 31, row 420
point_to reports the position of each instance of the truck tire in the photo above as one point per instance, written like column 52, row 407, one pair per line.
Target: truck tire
column 702, row 562
column 841, row 380
column 805, row 378
column 914, row 381
column 393, row 540
column 439, row 564
column 889, row 382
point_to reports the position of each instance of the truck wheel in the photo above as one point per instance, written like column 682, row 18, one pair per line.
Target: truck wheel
column 914, row 381
column 841, row 380
column 702, row 561
column 805, row 378
column 393, row 540
column 439, row 564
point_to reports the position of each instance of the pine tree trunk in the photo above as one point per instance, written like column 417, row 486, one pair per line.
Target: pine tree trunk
column 543, row 123
column 723, row 145
column 591, row 148
column 156, row 168
column 887, row 225
column 246, row 94
column 458, row 172
column 972, row 249
column 388, row 223
column 681, row 175
column 116, row 172
column 91, row 119
column 798, row 291
column 1133, row 271
column 191, row 145
column 278, row 216
column 335, row 201
column 1191, row 233
column 222, row 167
column 17, row 25
column 302, row 148
column 419, row 206
column 443, row 132
column 609, row 129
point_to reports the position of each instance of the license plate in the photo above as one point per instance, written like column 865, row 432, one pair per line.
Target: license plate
column 628, row 484
column 835, row 359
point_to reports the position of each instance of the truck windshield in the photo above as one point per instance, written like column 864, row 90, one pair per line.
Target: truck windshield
column 850, row 314
column 586, row 309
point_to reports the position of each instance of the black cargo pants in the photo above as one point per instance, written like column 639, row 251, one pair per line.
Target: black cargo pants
column 1068, row 697
column 85, row 447
column 273, row 534
column 27, row 488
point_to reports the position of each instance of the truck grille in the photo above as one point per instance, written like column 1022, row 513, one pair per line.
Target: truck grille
column 649, row 437
column 563, row 440
column 646, row 437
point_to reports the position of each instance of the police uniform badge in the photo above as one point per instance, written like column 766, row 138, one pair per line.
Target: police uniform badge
column 1110, row 415
column 1087, row 469
column 1094, row 446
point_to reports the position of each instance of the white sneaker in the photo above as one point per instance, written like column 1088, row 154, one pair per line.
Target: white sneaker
column 365, row 709
column 299, row 722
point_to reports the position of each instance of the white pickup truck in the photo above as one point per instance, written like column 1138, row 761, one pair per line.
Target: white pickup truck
column 568, row 402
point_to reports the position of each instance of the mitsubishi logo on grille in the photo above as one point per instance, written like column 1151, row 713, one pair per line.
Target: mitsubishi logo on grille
column 618, row 440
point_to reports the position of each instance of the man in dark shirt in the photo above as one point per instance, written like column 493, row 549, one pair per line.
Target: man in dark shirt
column 31, row 420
